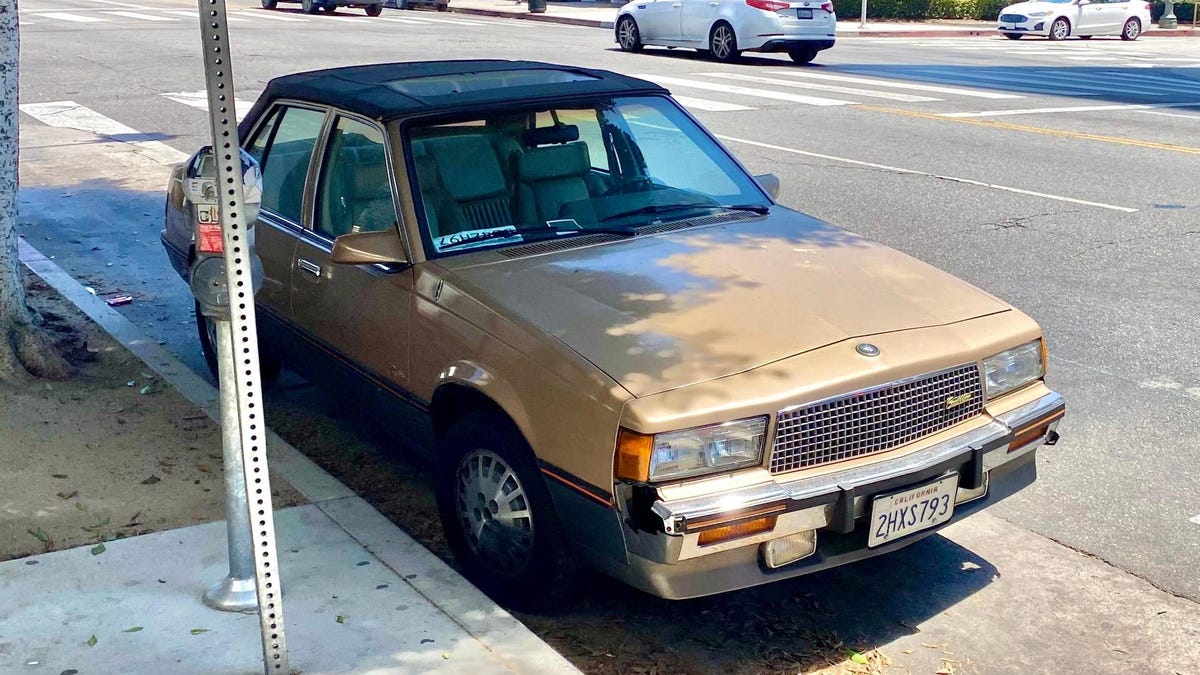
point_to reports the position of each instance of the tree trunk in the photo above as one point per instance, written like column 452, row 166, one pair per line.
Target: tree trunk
column 24, row 349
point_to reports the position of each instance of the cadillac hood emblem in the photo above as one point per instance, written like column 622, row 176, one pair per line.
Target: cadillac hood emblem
column 867, row 349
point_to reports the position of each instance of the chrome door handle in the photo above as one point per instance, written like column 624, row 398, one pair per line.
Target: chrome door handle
column 309, row 266
column 714, row 4
column 678, row 4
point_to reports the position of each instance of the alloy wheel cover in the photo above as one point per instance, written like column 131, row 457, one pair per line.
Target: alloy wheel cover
column 493, row 511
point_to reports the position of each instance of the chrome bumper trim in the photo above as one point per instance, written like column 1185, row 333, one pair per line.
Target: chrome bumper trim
column 991, row 440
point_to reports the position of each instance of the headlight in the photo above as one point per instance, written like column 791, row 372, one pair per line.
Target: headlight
column 691, row 452
column 1014, row 368
column 1037, row 15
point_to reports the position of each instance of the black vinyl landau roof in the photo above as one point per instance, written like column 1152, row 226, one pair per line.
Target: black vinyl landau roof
column 391, row 90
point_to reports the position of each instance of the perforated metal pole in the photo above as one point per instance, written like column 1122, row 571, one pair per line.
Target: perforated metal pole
column 247, row 415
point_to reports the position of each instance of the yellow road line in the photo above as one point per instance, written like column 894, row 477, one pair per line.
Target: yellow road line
column 1035, row 130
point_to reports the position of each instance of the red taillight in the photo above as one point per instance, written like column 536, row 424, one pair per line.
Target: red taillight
column 827, row 6
column 767, row 5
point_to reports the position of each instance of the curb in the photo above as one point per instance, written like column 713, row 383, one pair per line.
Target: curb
column 569, row 20
column 514, row 645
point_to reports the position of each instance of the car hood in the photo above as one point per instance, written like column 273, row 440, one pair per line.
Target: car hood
column 663, row 311
column 1027, row 7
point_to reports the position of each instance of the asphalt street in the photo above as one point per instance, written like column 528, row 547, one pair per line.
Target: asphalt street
column 1058, row 176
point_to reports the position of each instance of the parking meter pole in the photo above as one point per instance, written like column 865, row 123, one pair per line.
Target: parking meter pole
column 240, row 274
column 1168, row 18
column 234, row 593
column 862, row 19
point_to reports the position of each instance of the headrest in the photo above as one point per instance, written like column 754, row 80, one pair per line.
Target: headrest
column 553, row 161
column 467, row 166
column 559, row 133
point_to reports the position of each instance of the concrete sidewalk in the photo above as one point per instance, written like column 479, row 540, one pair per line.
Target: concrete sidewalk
column 359, row 594
column 602, row 14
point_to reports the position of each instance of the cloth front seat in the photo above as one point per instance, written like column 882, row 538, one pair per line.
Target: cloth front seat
column 476, row 194
column 550, row 178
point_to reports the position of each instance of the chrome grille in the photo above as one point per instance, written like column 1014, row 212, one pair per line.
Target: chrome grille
column 874, row 420
column 1012, row 18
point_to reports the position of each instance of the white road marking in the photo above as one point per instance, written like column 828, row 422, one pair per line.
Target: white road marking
column 124, row 5
column 1153, row 112
column 743, row 91
column 196, row 15
column 889, row 95
column 899, row 85
column 706, row 104
column 136, row 15
column 199, row 99
column 71, row 115
column 399, row 20
column 1092, row 58
column 455, row 22
column 1076, row 108
column 914, row 172
column 265, row 14
column 1053, row 84
column 63, row 16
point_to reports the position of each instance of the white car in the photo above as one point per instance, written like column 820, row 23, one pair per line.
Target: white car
column 726, row 28
column 1058, row 19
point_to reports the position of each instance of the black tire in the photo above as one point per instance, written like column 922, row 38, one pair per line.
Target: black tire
column 268, row 4
column 1060, row 29
column 629, row 37
column 269, row 364
column 803, row 55
column 722, row 43
column 1013, row 36
column 309, row 6
column 1133, row 28
column 374, row 10
column 534, row 568
column 443, row 8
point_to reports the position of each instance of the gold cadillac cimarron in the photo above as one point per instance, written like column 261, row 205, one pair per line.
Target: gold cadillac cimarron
column 622, row 351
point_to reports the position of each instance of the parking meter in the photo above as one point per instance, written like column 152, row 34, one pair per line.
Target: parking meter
column 207, row 273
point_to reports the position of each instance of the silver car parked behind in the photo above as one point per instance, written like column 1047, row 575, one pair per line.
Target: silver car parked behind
column 726, row 28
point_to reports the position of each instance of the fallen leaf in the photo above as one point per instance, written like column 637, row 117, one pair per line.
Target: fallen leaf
column 81, row 506
column 40, row 534
column 446, row 655
column 857, row 657
column 98, row 549
column 151, row 480
column 60, row 476
column 203, row 468
column 906, row 651
column 198, row 631
column 132, row 629
column 146, row 389
column 340, row 619
column 68, row 495
column 92, row 641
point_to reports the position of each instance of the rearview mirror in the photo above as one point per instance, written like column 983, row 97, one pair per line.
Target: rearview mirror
column 770, row 183
column 368, row 248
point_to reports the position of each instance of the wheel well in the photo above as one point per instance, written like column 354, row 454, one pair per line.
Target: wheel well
column 452, row 402
column 718, row 23
column 1062, row 18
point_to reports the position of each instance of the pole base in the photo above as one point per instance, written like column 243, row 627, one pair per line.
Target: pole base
column 1169, row 22
column 233, row 595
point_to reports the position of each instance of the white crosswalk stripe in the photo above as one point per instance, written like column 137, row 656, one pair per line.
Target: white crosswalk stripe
column 199, row 99
column 870, row 93
column 73, row 18
column 957, row 91
column 709, row 105
column 265, row 14
column 194, row 15
column 138, row 15
column 397, row 19
column 71, row 115
column 743, row 91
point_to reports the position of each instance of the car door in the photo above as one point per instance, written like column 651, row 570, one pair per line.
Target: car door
column 1114, row 13
column 283, row 143
column 1092, row 18
column 696, row 18
column 658, row 20
column 357, row 314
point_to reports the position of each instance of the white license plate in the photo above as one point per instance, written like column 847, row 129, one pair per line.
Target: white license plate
column 896, row 515
column 804, row 14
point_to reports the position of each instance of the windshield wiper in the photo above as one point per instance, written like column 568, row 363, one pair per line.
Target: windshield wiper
column 658, row 209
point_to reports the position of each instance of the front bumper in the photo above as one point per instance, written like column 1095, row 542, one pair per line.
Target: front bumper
column 1030, row 27
column 993, row 461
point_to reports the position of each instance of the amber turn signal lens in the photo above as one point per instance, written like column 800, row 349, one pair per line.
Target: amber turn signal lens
column 742, row 529
column 633, row 456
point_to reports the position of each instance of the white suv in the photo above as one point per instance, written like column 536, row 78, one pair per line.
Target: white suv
column 726, row 28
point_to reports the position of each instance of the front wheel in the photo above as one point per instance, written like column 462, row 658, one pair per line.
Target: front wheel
column 1060, row 29
column 803, row 55
column 309, row 6
column 374, row 10
column 1132, row 29
column 269, row 364
column 1013, row 36
column 267, row 4
column 628, row 35
column 498, row 515
column 722, row 43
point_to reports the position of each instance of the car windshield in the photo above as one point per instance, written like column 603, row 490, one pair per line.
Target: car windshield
column 546, row 173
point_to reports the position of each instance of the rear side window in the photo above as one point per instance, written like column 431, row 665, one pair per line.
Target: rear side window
column 354, row 193
column 283, row 148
